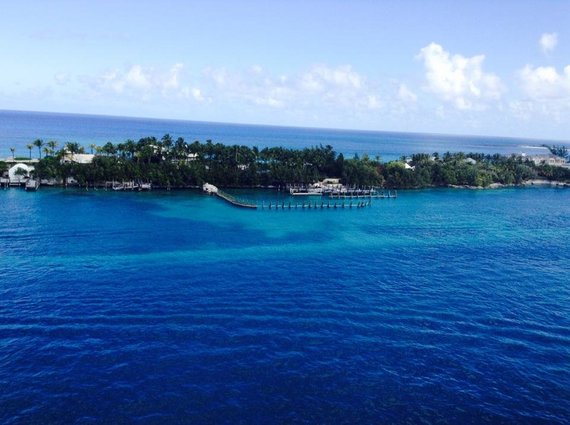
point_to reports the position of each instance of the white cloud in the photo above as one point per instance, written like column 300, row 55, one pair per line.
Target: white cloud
column 548, row 41
column 322, row 78
column 406, row 95
column 318, row 87
column 544, row 83
column 522, row 109
column 145, row 83
column 458, row 79
column 193, row 93
column 172, row 81
column 547, row 93
column 136, row 77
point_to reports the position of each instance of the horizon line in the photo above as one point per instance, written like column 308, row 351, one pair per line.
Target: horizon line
column 449, row 135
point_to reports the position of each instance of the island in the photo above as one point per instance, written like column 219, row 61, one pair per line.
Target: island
column 169, row 163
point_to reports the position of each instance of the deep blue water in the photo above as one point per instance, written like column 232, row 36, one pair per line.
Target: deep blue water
column 17, row 129
column 442, row 306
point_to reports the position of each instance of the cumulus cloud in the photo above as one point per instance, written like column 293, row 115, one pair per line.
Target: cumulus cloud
column 458, row 79
column 406, row 95
column 322, row 78
column 145, row 83
column 339, row 86
column 547, row 93
column 171, row 82
column 317, row 95
column 545, row 83
column 319, row 86
column 548, row 41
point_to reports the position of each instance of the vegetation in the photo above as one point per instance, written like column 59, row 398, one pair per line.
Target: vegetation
column 167, row 162
column 561, row 151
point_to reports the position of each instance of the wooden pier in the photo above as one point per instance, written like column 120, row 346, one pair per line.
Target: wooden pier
column 359, row 194
column 210, row 189
column 235, row 201
column 314, row 205
column 290, row 205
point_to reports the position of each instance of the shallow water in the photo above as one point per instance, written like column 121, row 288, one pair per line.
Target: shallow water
column 442, row 306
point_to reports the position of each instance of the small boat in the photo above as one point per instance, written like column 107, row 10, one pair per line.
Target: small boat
column 32, row 185
column 145, row 186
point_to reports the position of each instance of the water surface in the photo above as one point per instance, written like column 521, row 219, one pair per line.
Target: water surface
column 442, row 306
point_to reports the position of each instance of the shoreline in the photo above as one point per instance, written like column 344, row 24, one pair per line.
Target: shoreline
column 528, row 183
column 538, row 183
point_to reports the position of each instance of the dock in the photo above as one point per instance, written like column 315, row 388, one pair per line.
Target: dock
column 210, row 189
column 342, row 202
column 358, row 194
column 314, row 205
column 32, row 185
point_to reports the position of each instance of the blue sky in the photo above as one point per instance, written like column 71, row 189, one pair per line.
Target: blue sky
column 465, row 67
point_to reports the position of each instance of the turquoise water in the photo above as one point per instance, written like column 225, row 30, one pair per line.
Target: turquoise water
column 441, row 306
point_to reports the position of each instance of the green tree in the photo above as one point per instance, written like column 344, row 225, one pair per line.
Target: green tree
column 52, row 144
column 39, row 144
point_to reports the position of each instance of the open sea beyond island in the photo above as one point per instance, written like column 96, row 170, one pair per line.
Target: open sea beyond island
column 17, row 129
column 440, row 306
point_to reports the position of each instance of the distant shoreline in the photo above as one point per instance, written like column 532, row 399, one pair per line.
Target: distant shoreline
column 528, row 183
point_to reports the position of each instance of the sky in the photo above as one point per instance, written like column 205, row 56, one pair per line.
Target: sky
column 482, row 67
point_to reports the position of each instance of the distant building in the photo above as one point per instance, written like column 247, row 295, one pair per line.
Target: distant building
column 470, row 161
column 78, row 158
column 548, row 160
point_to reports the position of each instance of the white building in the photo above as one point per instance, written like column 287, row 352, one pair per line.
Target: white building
column 548, row 160
column 78, row 158
column 16, row 176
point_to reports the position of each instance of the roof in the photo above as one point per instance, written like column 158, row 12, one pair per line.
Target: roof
column 79, row 158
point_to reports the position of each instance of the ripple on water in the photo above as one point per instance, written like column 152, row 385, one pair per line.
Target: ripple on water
column 440, row 307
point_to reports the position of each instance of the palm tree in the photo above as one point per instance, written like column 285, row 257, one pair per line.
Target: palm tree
column 13, row 150
column 52, row 144
column 30, row 149
column 130, row 148
column 109, row 149
column 72, row 148
column 47, row 151
column 92, row 146
column 38, row 143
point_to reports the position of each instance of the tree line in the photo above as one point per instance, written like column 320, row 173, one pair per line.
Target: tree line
column 169, row 162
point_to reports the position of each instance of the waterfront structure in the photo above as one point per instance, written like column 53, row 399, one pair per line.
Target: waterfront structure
column 32, row 185
column 15, row 173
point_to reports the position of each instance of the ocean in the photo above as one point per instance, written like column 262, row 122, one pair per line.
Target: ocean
column 18, row 129
column 442, row 306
